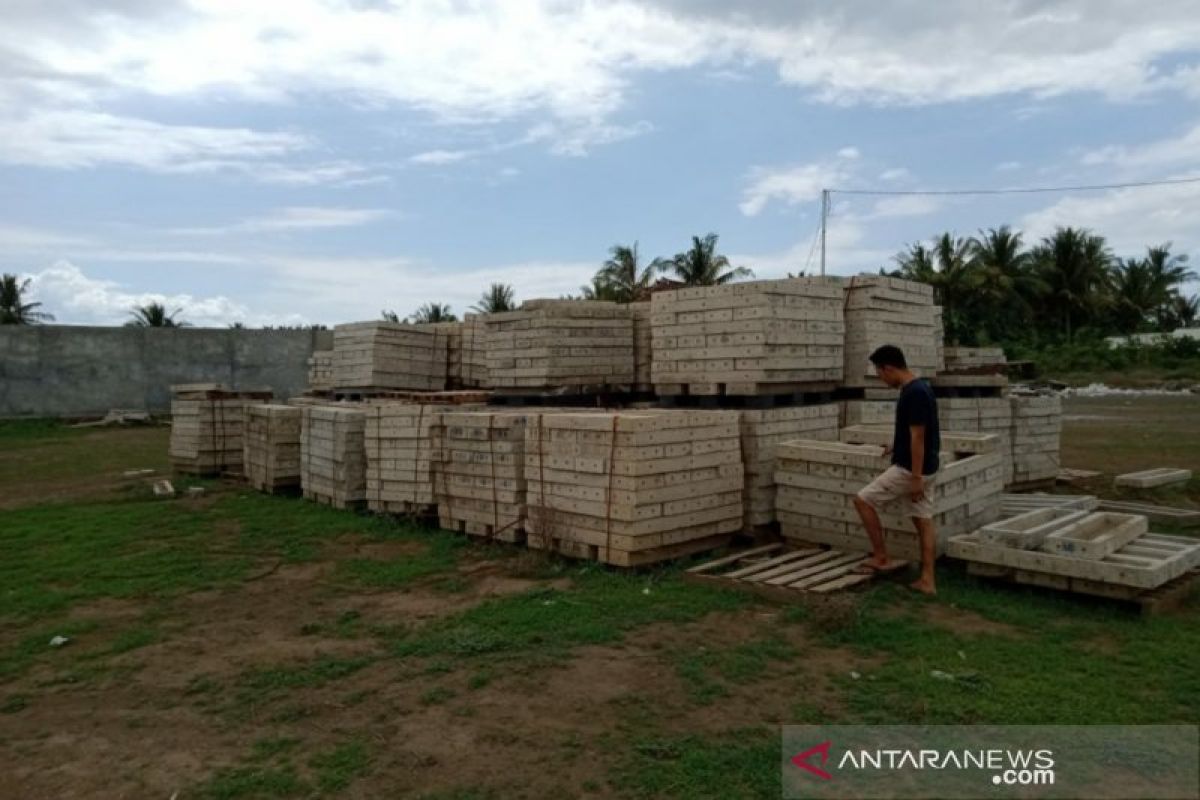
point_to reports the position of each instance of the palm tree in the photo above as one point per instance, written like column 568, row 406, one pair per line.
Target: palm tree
column 1075, row 265
column 13, row 309
column 701, row 265
column 1008, row 285
column 433, row 312
column 1134, row 295
column 1166, row 274
column 1184, row 312
column 389, row 316
column 499, row 297
column 155, row 315
column 598, row 290
column 915, row 264
column 627, row 279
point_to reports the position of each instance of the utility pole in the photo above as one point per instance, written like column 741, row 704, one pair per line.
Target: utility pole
column 824, row 225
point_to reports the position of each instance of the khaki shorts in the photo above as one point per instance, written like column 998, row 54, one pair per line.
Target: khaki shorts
column 895, row 484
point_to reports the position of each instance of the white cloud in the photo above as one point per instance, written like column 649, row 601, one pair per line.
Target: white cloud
column 795, row 184
column 438, row 157
column 295, row 218
column 848, row 152
column 906, row 206
column 21, row 238
column 895, row 174
column 74, row 297
column 1177, row 151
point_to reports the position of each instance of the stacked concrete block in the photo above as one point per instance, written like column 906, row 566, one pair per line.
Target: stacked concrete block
column 558, row 343
column 643, row 380
column 453, row 331
column 388, row 355
column 333, row 458
column 320, row 371
column 271, row 452
column 207, row 423
column 401, row 449
column 1036, row 438
column 1153, row 478
column 632, row 487
column 992, row 415
column 882, row 310
column 868, row 412
column 479, row 479
column 963, row 359
column 763, row 430
column 747, row 338
column 474, row 352
column 817, row 482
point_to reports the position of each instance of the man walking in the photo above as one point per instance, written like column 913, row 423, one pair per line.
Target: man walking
column 916, row 445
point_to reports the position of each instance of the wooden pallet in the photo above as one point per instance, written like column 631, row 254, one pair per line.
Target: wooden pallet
column 780, row 398
column 1181, row 517
column 568, row 396
column 743, row 390
column 777, row 573
column 959, row 390
column 512, row 534
column 621, row 558
column 1148, row 601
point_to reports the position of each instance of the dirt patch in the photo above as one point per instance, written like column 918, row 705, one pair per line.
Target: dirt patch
column 961, row 622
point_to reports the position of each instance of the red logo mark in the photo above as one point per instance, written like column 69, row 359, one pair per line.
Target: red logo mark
column 822, row 749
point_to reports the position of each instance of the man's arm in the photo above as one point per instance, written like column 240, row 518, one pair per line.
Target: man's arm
column 917, row 446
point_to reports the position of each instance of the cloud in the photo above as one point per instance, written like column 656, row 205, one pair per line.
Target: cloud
column 848, row 152
column 794, row 184
column 296, row 218
column 906, row 206
column 1177, row 151
column 21, row 238
column 74, row 297
column 438, row 157
column 895, row 174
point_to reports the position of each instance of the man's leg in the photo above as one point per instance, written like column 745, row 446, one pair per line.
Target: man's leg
column 928, row 536
column 870, row 520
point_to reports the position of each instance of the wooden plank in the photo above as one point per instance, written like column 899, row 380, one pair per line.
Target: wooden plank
column 844, row 582
column 837, row 572
column 838, row 558
column 708, row 566
column 776, row 566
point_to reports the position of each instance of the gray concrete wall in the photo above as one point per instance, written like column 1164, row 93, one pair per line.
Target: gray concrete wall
column 69, row 370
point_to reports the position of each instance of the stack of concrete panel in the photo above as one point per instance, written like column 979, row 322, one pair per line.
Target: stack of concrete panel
column 747, row 338
column 333, row 459
column 453, row 331
column 992, row 415
column 401, row 449
column 556, row 343
column 479, row 479
column 882, row 310
column 642, row 347
column 868, row 412
column 817, row 482
column 761, row 431
column 474, row 352
column 962, row 359
column 207, row 422
column 632, row 487
column 388, row 355
column 272, row 446
column 1036, row 432
column 320, row 371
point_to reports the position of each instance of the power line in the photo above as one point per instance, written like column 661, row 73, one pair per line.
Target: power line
column 1031, row 190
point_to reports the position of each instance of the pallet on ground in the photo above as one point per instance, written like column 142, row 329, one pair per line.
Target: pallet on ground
column 1153, row 478
column 1147, row 562
column 389, row 355
column 880, row 310
column 551, row 343
column 271, row 446
column 1163, row 598
column 632, row 487
column 747, row 338
column 782, row 572
column 333, row 463
column 479, row 478
column 207, row 423
column 816, row 483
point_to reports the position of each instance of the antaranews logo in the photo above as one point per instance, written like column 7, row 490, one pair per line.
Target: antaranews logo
column 1021, row 767
column 801, row 760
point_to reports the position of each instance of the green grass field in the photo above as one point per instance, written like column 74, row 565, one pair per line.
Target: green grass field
column 236, row 645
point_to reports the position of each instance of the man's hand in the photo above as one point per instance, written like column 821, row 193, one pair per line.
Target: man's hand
column 917, row 490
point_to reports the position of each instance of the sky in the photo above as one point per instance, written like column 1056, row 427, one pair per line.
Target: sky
column 283, row 162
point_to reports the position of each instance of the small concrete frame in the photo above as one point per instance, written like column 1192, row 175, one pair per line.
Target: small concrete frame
column 1096, row 536
column 1027, row 531
column 1153, row 478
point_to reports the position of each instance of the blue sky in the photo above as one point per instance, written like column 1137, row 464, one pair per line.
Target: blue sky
column 316, row 161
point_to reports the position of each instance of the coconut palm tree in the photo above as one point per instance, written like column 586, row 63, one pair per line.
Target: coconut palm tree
column 13, row 308
column 433, row 312
column 701, row 265
column 914, row 264
column 1184, row 312
column 954, row 284
column 389, row 316
column 1075, row 264
column 1007, row 283
column 1166, row 274
column 624, row 274
column 155, row 315
column 598, row 290
column 499, row 297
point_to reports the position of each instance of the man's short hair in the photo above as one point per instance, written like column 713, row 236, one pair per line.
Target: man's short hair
column 889, row 356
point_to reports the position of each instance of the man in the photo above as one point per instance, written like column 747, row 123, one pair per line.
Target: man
column 915, row 448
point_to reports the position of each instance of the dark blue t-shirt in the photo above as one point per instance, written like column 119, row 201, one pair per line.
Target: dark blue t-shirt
column 917, row 406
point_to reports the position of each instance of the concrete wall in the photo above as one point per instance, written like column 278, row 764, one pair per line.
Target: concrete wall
column 68, row 370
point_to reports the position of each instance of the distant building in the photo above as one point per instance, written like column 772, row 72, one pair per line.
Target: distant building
column 1153, row 338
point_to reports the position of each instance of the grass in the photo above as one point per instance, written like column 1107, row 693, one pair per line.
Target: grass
column 338, row 768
